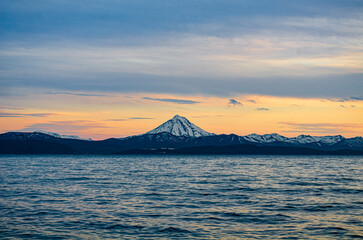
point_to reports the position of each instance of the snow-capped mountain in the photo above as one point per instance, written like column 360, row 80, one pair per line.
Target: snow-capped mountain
column 180, row 126
column 178, row 134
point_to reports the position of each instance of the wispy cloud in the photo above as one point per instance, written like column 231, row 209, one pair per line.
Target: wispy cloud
column 338, row 100
column 172, row 100
column 115, row 120
column 262, row 109
column 233, row 102
column 314, row 125
column 11, row 108
column 127, row 119
column 328, row 128
column 140, row 118
column 347, row 99
column 357, row 98
column 10, row 115
column 252, row 101
column 80, row 94
column 65, row 127
column 210, row 116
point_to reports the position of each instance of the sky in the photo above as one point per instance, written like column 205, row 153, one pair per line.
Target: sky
column 101, row 69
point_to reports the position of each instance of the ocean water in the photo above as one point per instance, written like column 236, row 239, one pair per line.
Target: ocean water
column 181, row 197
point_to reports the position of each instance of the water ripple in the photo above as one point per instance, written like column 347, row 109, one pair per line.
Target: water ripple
column 181, row 197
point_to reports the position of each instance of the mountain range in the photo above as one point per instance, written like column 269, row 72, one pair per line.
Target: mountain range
column 179, row 136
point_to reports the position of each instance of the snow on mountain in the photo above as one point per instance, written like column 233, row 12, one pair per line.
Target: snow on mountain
column 331, row 139
column 266, row 138
column 63, row 136
column 356, row 142
column 180, row 126
column 302, row 139
column 326, row 140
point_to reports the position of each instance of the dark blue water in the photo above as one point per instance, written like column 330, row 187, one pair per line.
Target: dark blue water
column 173, row 197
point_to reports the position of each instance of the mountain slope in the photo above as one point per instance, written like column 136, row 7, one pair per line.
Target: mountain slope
column 180, row 126
column 302, row 139
column 175, row 134
column 242, row 149
column 38, row 143
column 63, row 136
column 40, row 135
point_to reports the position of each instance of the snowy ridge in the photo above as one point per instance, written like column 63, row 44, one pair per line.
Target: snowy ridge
column 302, row 139
column 180, row 126
column 63, row 136
column 266, row 138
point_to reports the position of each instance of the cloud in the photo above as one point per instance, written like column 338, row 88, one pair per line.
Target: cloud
column 346, row 99
column 140, row 118
column 357, row 98
column 127, row 119
column 7, row 114
column 223, row 48
column 11, row 108
column 115, row 120
column 122, row 18
column 342, row 106
column 65, row 127
column 233, row 102
column 338, row 100
column 172, row 100
column 211, row 116
column 80, row 94
column 262, row 109
column 252, row 101
column 327, row 128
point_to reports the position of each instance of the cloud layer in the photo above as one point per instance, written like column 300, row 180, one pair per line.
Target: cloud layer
column 325, row 128
column 7, row 114
column 65, row 127
column 225, row 48
column 172, row 100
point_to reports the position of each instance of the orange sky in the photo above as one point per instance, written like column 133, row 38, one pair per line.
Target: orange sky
column 116, row 115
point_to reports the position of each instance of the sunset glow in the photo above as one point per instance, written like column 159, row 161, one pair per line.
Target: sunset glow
column 231, row 67
column 116, row 115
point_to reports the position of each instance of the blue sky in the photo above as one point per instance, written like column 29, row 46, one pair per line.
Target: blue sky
column 225, row 48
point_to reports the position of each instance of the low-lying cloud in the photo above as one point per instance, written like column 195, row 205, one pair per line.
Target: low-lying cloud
column 80, row 94
column 10, row 115
column 64, row 127
column 233, row 102
column 127, row 119
column 172, row 100
column 346, row 99
column 326, row 128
